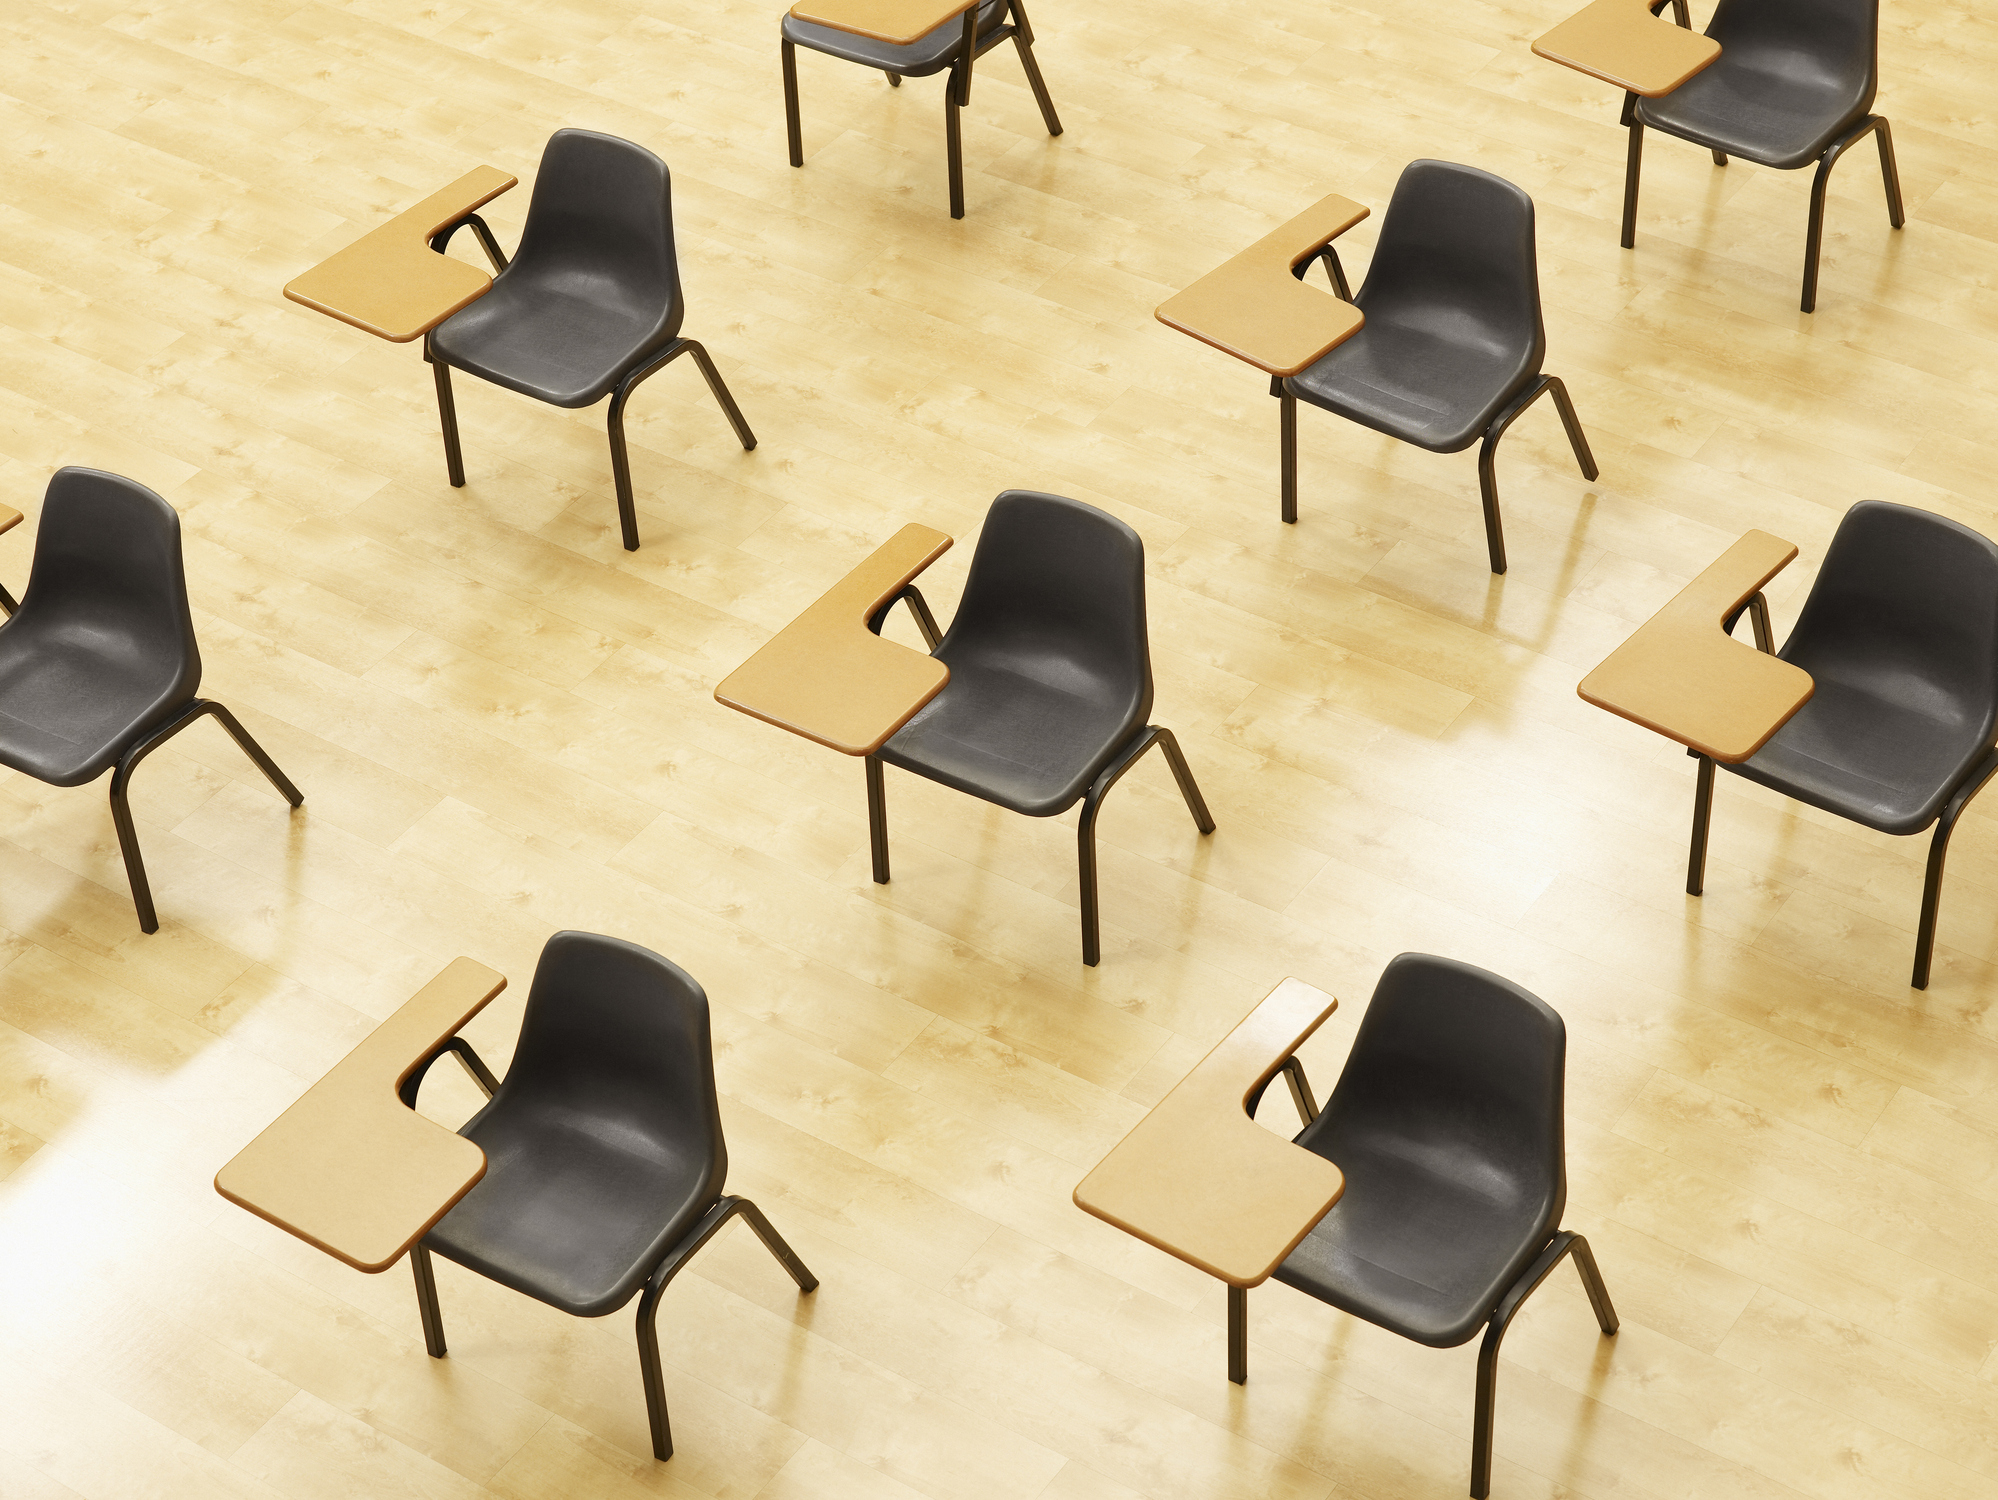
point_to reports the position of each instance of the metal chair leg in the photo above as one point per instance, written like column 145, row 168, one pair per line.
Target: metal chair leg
column 1890, row 178
column 1703, row 806
column 426, row 1301
column 8, row 602
column 447, row 418
column 1092, row 804
column 793, row 132
column 121, row 782
column 1286, row 447
column 719, row 389
column 1720, row 158
column 627, row 505
column 953, row 145
column 1563, row 1244
column 1238, row 1334
column 1577, row 440
column 877, row 819
column 894, row 80
column 1925, row 931
column 1632, row 166
column 1023, row 43
column 661, row 1278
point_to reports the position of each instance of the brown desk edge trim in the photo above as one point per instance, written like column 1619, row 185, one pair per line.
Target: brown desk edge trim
column 9, row 518
column 883, row 20
column 485, row 986
column 448, row 205
column 1279, row 244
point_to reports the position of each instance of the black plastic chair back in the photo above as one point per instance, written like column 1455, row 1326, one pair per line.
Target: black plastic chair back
column 1457, row 1072
column 1906, row 607
column 1056, row 593
column 1826, row 45
column 107, row 578
column 600, row 227
column 1456, row 257
column 615, row 1039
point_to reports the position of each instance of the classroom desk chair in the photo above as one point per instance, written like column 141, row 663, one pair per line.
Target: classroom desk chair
column 1451, row 348
column 590, row 305
column 98, row 665
column 1794, row 84
column 912, row 39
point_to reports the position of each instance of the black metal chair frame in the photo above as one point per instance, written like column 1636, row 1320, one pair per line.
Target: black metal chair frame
column 1585, row 459
column 1814, row 236
column 627, row 506
column 957, row 93
column 1972, row 783
column 675, row 1260
column 1565, row 1243
column 1127, row 756
column 121, row 784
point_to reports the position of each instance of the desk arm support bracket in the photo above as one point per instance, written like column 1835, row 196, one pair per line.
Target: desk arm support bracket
column 469, row 1060
column 442, row 239
column 926, row 623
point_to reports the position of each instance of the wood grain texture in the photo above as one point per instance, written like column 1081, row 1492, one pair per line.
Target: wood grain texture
column 350, row 1168
column 504, row 724
column 826, row 676
column 390, row 282
column 1251, row 306
column 1622, row 42
column 1201, row 1180
column 1683, row 676
column 898, row 22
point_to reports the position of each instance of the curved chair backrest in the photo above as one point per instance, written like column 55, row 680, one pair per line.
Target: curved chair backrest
column 1456, row 256
column 601, row 224
column 1058, row 586
column 1461, row 1071
column 108, row 567
column 1831, row 44
column 1906, row 602
column 615, row 1038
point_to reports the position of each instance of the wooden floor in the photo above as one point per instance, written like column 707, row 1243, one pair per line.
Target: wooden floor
column 1786, row 1159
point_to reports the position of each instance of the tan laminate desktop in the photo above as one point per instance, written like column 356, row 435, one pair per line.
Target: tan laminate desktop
column 349, row 1167
column 390, row 282
column 1622, row 42
column 1201, row 1180
column 1682, row 676
column 828, row 677
column 9, row 518
column 897, row 22
column 1253, row 308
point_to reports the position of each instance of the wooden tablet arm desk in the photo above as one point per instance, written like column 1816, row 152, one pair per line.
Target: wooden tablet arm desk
column 395, row 282
column 1203, row 1181
column 351, row 1168
column 1626, row 43
column 1256, row 305
column 896, row 22
column 829, row 675
column 1684, row 677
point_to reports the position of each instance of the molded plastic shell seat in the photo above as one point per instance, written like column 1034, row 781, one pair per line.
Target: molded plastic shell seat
column 594, row 287
column 603, row 1144
column 1050, row 669
column 604, row 1151
column 1792, row 77
column 919, row 59
column 1453, row 341
column 1447, row 1125
column 98, row 666
column 1050, row 679
column 102, row 649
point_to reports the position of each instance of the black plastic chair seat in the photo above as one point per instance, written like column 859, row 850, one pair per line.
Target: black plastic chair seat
column 1014, row 738
column 1776, row 106
column 1424, row 1242
column 1435, row 378
column 926, row 55
column 1856, row 751
column 75, row 693
column 1447, row 1124
column 566, row 1213
column 568, row 347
